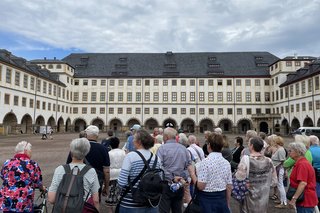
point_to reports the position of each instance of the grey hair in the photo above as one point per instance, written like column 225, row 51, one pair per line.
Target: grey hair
column 183, row 139
column 298, row 147
column 314, row 140
column 170, row 133
column 22, row 146
column 160, row 131
column 251, row 134
column 218, row 130
column 79, row 148
column 159, row 139
column 192, row 139
column 303, row 138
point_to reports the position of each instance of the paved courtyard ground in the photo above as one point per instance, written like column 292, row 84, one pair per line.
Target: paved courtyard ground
column 52, row 153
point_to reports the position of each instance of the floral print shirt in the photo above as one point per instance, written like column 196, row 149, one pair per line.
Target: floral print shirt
column 20, row 177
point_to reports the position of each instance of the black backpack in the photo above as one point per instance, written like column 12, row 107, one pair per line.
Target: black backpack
column 70, row 193
column 150, row 188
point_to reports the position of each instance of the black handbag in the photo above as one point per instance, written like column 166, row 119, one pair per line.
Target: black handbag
column 194, row 204
column 291, row 191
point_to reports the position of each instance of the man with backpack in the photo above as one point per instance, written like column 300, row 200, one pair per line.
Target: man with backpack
column 98, row 158
column 176, row 162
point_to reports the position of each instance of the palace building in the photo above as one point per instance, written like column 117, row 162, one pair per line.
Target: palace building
column 195, row 92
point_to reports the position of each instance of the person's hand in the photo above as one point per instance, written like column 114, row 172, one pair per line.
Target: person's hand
column 292, row 203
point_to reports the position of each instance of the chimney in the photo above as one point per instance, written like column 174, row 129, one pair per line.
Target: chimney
column 45, row 58
column 54, row 58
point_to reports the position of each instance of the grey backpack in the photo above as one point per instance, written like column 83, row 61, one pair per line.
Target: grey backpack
column 70, row 193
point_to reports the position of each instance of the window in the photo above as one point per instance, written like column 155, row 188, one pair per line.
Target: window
column 309, row 85
column 59, row 92
column 220, row 96
column 76, row 96
column 229, row 82
column 316, row 83
column 75, row 110
column 201, row 111
column 129, row 82
column 120, row 96
column 16, row 100
column 239, row 111
column 310, row 105
column 248, row 82
column 129, row 111
column 164, row 110
column 165, row 82
column 183, row 111
column 38, row 104
column 24, row 101
column 165, row 96
column 138, row 96
column 6, row 98
column 210, row 96
column 50, row 89
column 249, row 111
column 49, row 106
column 155, row 82
column 303, row 106
column 211, row 111
column 112, row 82
column 229, row 96
column 258, row 111
column 219, row 82
column 111, row 96
column 93, row 96
column 183, row 82
column 210, row 82
column 238, row 82
column 138, row 82
column 183, row 96
column 102, row 110
column 94, row 82
column 297, row 88
column 120, row 110
column 276, row 80
column 85, row 96
column 266, row 82
column 138, row 110
column 32, row 83
column 111, row 110
column 174, row 82
column 25, row 80
column 147, row 96
column 174, row 96
column 317, row 104
column 258, row 96
column 303, row 87
column 201, row 96
column 297, row 63
column 192, row 111
column 192, row 96
column 239, row 97
column 38, row 85
column 8, row 76
column 192, row 82
column 76, row 82
column 103, row 82
column 55, row 90
column 291, row 108
column 288, row 63
column 155, row 111
column 0, row 73
column 229, row 111
column 102, row 96
column 155, row 96
column 297, row 107
column 267, row 96
column 291, row 90
column 248, row 96
column 120, row 82
column 85, row 82
column 174, row 111
column 147, row 82
column 201, row 82
column 220, row 111
column 129, row 96
column 44, row 87
column 31, row 103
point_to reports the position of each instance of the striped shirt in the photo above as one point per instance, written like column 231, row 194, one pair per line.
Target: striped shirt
column 131, row 168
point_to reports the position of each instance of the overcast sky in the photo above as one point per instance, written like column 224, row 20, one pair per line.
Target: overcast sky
column 47, row 28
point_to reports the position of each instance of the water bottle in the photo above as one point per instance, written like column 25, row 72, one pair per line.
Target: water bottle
column 175, row 186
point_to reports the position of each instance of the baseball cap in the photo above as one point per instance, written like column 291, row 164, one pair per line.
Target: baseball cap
column 135, row 127
column 93, row 130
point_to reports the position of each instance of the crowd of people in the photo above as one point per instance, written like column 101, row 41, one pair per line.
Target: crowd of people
column 269, row 168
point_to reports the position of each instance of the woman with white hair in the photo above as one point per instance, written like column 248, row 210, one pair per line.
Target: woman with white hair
column 20, row 176
column 79, row 148
column 302, row 179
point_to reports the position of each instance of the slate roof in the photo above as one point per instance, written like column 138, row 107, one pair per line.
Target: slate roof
column 303, row 73
column 202, row 64
column 25, row 65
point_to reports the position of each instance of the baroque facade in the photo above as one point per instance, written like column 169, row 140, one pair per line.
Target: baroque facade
column 236, row 91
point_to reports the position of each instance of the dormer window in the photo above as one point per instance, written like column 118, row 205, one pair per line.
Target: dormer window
column 212, row 58
column 50, row 66
column 213, row 65
column 172, row 65
column 258, row 58
column 123, row 59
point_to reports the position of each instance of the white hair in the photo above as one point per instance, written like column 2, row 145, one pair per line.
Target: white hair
column 159, row 139
column 183, row 139
column 170, row 133
column 314, row 140
column 298, row 147
column 192, row 139
column 22, row 146
column 79, row 148
column 218, row 130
